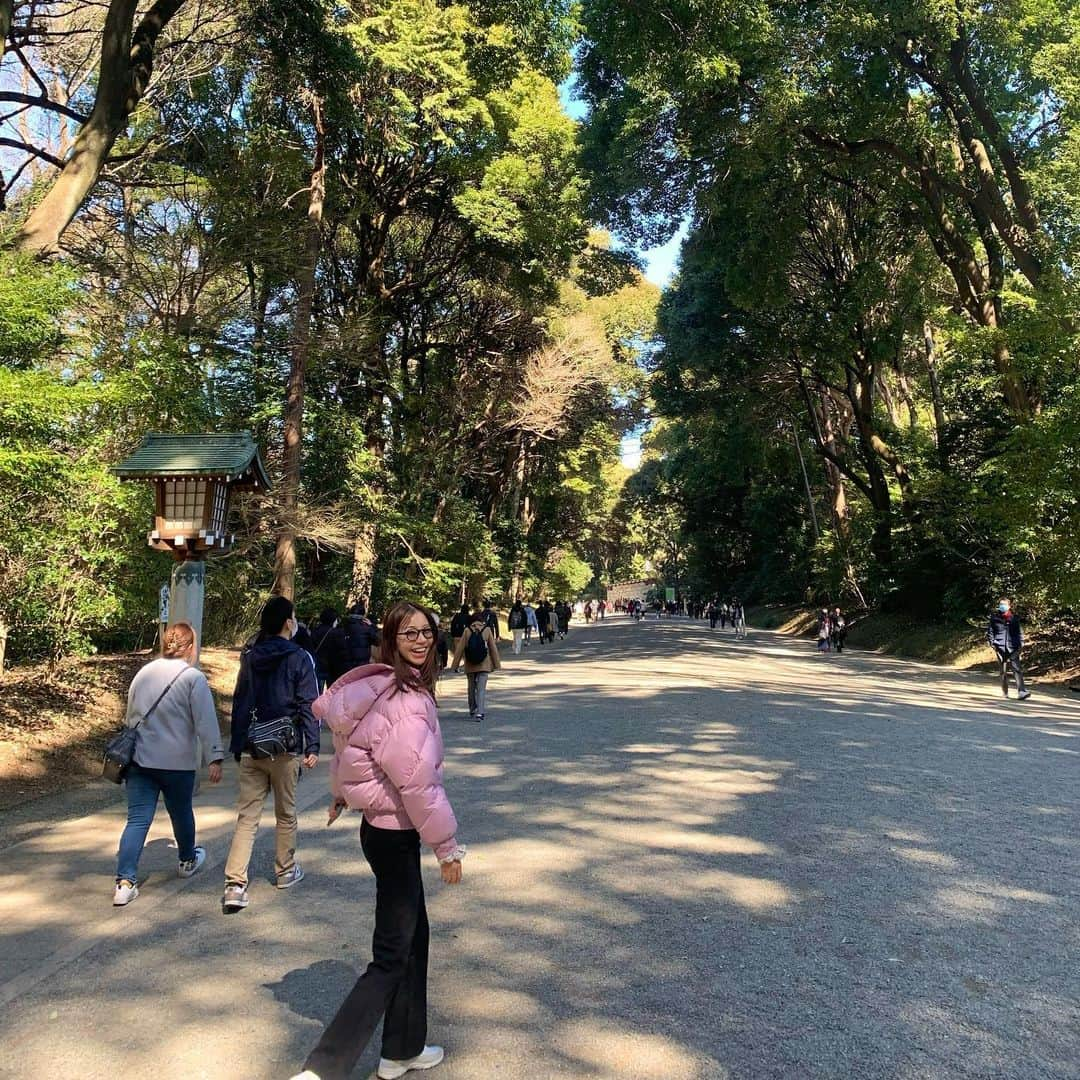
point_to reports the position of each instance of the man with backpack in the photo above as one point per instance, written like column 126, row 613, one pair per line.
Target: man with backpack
column 273, row 731
column 480, row 651
column 491, row 619
column 362, row 635
column 516, row 622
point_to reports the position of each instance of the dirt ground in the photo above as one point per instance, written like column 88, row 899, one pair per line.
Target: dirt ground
column 56, row 719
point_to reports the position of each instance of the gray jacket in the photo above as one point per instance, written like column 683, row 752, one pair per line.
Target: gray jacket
column 185, row 716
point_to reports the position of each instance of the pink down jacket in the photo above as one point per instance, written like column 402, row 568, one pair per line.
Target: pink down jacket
column 388, row 755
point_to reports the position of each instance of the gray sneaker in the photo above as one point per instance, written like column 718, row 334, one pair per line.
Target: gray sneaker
column 190, row 867
column 235, row 899
column 1024, row 695
column 292, row 877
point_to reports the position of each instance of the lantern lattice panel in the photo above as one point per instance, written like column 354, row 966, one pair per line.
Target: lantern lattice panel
column 185, row 501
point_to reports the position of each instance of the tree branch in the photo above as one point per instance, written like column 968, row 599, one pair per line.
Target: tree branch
column 15, row 144
column 40, row 102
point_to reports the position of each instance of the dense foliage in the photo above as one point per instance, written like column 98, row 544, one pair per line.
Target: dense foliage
column 357, row 230
column 367, row 232
column 867, row 373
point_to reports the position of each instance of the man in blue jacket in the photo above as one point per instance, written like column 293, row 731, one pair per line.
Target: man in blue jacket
column 276, row 682
column 1006, row 638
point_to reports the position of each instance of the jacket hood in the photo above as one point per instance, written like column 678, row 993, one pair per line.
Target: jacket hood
column 266, row 655
column 348, row 701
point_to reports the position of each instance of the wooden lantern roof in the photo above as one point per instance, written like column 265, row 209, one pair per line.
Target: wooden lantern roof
column 232, row 458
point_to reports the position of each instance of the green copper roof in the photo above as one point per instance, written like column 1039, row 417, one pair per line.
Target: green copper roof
column 234, row 456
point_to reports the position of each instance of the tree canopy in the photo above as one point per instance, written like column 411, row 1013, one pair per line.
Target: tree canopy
column 370, row 233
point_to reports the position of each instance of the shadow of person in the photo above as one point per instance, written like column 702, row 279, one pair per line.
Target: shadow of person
column 315, row 992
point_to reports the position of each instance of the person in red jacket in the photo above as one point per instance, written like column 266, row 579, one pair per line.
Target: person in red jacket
column 388, row 763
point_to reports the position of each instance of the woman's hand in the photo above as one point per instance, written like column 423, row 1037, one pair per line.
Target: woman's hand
column 310, row 761
column 215, row 772
column 336, row 806
column 451, row 872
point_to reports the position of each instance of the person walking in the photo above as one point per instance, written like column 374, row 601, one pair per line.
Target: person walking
column 491, row 619
column 838, row 629
column 532, row 625
column 480, row 651
column 544, row 616
column 388, row 764
column 824, row 631
column 362, row 635
column 563, row 611
column 330, row 649
column 170, row 706
column 458, row 625
column 713, row 611
column 738, row 618
column 273, row 730
column 516, row 622
column 1005, row 636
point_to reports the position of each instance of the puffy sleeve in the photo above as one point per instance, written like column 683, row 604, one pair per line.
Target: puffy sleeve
column 407, row 753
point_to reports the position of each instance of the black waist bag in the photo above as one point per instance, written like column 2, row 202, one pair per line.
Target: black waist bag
column 272, row 738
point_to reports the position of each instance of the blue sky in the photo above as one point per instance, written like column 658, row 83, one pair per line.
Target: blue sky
column 660, row 262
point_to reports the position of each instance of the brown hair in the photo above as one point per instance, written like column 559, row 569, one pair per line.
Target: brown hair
column 178, row 638
column 408, row 677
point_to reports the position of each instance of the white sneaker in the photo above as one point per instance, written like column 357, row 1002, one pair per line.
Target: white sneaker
column 190, row 867
column 1024, row 696
column 124, row 893
column 428, row 1058
column 307, row 1074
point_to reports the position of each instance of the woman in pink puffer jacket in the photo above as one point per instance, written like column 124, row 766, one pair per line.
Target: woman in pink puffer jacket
column 388, row 763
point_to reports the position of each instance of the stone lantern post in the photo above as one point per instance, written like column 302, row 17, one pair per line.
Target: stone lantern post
column 194, row 477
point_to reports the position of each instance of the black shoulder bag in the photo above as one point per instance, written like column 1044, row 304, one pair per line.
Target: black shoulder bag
column 120, row 751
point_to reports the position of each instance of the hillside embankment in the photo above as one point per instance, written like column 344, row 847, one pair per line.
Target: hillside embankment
column 1052, row 656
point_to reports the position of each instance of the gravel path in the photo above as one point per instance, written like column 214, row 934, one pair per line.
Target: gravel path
column 691, row 857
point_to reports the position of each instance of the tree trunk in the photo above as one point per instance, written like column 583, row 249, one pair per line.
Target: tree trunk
column 363, row 571
column 7, row 13
column 940, row 419
column 293, row 417
column 127, row 61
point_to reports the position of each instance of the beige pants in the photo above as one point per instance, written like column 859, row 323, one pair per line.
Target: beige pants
column 258, row 777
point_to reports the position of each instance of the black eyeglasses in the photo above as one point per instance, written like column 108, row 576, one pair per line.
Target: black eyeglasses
column 415, row 635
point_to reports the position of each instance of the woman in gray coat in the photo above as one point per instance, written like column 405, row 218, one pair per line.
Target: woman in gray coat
column 170, row 705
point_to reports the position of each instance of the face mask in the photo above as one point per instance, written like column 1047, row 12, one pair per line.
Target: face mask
column 294, row 626
column 1003, row 608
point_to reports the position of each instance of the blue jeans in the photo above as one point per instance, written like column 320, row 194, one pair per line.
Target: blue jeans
column 143, row 786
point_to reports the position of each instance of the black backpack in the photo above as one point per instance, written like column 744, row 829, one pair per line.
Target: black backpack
column 476, row 648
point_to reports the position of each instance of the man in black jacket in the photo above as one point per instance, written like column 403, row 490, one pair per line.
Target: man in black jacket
column 491, row 619
column 1006, row 637
column 276, row 681
column 362, row 635
column 458, row 625
column 330, row 648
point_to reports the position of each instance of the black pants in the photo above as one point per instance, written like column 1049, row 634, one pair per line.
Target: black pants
column 394, row 986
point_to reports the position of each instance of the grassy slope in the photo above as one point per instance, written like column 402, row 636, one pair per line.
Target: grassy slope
column 939, row 643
